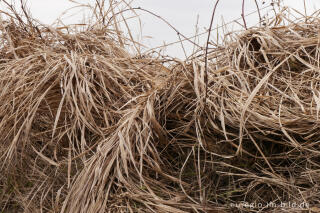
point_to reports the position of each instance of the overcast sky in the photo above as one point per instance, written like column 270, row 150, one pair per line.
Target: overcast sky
column 182, row 14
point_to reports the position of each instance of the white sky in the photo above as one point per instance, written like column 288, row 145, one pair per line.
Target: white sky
column 182, row 14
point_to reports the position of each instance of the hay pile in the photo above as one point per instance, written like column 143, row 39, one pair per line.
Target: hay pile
column 87, row 126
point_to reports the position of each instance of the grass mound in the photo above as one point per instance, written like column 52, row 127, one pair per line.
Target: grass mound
column 89, row 127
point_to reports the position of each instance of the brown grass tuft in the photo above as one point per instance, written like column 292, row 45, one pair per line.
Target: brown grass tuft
column 88, row 127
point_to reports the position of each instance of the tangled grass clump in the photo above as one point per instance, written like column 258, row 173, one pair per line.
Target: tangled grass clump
column 89, row 127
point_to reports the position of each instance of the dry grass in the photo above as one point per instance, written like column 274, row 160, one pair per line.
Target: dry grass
column 89, row 127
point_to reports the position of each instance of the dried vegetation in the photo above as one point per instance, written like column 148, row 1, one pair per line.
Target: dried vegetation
column 87, row 126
